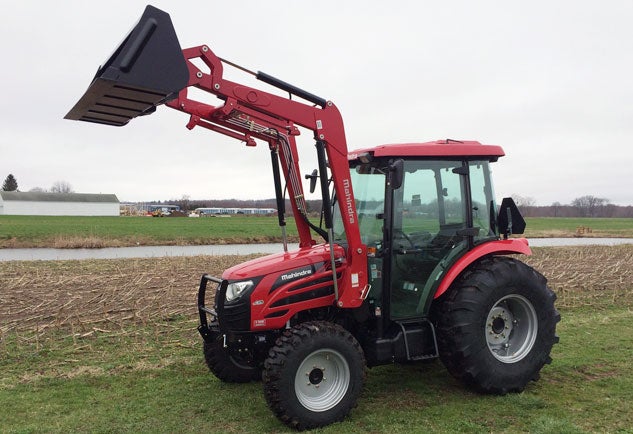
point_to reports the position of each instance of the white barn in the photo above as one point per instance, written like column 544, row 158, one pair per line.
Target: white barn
column 80, row 204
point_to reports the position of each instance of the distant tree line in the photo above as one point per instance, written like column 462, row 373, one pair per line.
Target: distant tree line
column 584, row 206
column 11, row 184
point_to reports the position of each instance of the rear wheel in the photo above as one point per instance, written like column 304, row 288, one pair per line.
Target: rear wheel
column 314, row 375
column 231, row 368
column 497, row 325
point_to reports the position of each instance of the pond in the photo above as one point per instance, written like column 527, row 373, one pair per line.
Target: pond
column 228, row 249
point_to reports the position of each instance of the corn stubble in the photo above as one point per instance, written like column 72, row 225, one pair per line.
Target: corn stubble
column 85, row 297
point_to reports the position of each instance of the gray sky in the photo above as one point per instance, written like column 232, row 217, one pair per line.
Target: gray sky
column 550, row 81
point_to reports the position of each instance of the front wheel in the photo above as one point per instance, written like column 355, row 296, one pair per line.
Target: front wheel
column 314, row 375
column 228, row 366
column 497, row 325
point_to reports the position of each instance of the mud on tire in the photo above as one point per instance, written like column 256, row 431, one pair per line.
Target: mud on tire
column 314, row 375
column 497, row 325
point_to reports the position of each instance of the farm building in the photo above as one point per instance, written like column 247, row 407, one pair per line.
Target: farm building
column 32, row 203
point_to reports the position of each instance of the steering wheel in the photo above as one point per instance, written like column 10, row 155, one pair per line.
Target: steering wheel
column 403, row 236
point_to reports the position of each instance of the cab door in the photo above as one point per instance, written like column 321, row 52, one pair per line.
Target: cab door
column 429, row 213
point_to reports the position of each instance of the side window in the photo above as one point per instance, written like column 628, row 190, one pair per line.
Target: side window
column 452, row 196
column 431, row 200
column 419, row 211
column 482, row 197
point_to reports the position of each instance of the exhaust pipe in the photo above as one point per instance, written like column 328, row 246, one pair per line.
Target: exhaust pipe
column 146, row 70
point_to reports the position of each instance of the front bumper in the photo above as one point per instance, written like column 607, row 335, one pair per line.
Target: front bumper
column 223, row 317
column 209, row 329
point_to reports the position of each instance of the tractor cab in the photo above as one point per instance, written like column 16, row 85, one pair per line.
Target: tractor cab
column 421, row 207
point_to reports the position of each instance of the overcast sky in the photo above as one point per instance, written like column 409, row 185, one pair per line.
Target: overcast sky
column 549, row 81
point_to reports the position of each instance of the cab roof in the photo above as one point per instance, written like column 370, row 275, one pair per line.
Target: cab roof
column 436, row 149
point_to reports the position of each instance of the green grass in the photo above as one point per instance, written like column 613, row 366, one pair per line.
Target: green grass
column 65, row 231
column 73, row 232
column 156, row 381
column 568, row 227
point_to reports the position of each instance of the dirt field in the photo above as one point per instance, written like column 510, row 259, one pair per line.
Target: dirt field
column 108, row 296
column 91, row 296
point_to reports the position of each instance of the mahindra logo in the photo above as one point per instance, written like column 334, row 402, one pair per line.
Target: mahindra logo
column 296, row 274
column 347, row 190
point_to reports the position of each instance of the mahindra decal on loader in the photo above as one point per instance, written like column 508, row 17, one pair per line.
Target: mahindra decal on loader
column 410, row 261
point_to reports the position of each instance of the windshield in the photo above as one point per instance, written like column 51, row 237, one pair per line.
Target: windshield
column 369, row 193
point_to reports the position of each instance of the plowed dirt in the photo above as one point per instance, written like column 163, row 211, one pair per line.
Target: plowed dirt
column 108, row 296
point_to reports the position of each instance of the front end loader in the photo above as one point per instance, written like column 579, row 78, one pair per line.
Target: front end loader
column 409, row 261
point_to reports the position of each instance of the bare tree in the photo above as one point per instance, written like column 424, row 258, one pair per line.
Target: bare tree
column 10, row 183
column 184, row 202
column 525, row 204
column 62, row 187
column 589, row 206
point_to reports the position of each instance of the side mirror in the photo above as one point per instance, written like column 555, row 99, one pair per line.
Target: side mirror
column 510, row 221
column 396, row 174
column 313, row 179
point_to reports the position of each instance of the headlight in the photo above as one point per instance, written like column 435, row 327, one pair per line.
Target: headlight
column 236, row 289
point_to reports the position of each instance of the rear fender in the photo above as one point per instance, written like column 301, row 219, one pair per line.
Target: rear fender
column 501, row 247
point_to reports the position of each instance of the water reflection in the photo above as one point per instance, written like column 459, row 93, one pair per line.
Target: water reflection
column 138, row 252
column 229, row 249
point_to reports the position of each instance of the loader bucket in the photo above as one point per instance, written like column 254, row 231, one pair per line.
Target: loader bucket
column 146, row 70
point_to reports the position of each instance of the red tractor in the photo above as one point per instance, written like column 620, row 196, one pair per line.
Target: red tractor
column 413, row 263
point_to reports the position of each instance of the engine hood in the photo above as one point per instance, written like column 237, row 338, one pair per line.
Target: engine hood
column 283, row 262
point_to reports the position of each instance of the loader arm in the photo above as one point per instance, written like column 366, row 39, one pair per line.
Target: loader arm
column 147, row 71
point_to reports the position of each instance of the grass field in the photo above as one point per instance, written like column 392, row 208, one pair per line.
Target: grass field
column 111, row 346
column 95, row 232
column 587, row 227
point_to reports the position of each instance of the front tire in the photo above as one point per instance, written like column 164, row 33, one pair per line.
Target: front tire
column 227, row 367
column 497, row 325
column 314, row 375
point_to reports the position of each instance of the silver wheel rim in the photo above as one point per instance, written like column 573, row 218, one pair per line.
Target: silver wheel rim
column 511, row 328
column 322, row 380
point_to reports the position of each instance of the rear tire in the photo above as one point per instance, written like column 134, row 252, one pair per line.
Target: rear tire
column 226, row 367
column 314, row 375
column 497, row 325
